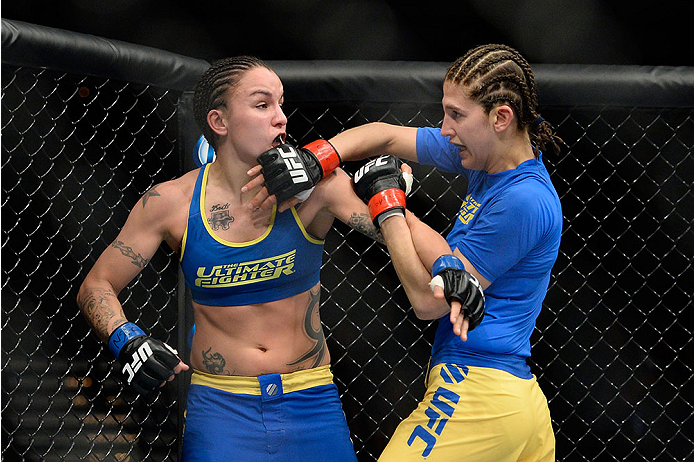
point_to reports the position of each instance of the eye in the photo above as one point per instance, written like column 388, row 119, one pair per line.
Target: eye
column 455, row 115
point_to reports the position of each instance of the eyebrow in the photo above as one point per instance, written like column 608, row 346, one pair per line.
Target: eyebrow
column 264, row 93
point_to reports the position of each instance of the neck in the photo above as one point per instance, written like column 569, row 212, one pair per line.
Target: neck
column 511, row 156
column 229, row 173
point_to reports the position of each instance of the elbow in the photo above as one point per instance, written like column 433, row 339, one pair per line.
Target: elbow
column 81, row 294
column 429, row 308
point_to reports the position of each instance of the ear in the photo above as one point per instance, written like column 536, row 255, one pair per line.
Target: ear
column 503, row 116
column 216, row 121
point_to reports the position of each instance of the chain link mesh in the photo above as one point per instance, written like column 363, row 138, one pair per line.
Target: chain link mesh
column 611, row 350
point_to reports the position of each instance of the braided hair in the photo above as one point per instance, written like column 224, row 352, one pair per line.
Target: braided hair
column 498, row 74
column 210, row 89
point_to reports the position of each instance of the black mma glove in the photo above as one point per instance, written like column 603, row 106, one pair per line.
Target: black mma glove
column 289, row 170
column 381, row 185
column 449, row 273
column 146, row 362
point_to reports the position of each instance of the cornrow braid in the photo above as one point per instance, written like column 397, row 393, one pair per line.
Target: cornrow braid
column 498, row 74
column 211, row 87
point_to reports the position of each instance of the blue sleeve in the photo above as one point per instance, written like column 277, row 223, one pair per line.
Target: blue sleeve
column 507, row 231
column 436, row 150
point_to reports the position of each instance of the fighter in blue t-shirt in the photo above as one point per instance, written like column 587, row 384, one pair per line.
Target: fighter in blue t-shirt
column 482, row 402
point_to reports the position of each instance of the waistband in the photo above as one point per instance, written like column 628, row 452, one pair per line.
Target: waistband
column 294, row 381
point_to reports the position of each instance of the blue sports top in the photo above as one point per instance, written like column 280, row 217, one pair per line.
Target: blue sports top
column 284, row 261
column 509, row 228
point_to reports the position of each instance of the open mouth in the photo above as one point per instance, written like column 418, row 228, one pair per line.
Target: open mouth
column 279, row 139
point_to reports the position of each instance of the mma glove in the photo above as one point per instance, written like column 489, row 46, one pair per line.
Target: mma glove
column 146, row 362
column 383, row 187
column 449, row 273
column 289, row 171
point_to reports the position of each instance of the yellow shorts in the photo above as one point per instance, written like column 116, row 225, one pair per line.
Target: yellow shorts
column 475, row 414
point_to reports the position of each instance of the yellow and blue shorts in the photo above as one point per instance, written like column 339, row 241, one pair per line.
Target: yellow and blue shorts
column 475, row 414
column 273, row 417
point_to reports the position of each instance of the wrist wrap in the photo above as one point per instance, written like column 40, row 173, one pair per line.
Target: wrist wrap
column 446, row 261
column 122, row 335
column 326, row 154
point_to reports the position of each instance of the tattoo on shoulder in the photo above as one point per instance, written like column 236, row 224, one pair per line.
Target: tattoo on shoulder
column 137, row 259
column 214, row 362
column 151, row 193
column 362, row 222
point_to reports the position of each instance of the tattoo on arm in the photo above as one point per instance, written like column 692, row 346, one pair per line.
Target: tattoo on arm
column 151, row 193
column 315, row 334
column 137, row 259
column 101, row 308
column 214, row 362
column 362, row 222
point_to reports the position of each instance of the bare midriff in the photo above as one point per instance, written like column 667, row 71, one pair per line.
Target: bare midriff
column 249, row 340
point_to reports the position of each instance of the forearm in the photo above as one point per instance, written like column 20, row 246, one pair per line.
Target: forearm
column 411, row 270
column 428, row 243
column 101, row 308
column 375, row 139
column 362, row 222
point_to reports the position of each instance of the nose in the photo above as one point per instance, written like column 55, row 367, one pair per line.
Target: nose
column 280, row 118
column 446, row 129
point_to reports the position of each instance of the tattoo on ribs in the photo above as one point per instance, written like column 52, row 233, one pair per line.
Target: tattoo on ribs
column 362, row 222
column 315, row 334
column 214, row 362
column 137, row 259
column 151, row 193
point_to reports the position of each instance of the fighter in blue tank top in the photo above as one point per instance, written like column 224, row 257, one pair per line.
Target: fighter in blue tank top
column 284, row 261
column 509, row 228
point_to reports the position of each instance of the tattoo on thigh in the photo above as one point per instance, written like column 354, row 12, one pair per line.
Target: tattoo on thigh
column 214, row 362
column 362, row 222
column 314, row 333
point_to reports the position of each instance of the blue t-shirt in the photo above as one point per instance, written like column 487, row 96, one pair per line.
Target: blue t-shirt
column 509, row 228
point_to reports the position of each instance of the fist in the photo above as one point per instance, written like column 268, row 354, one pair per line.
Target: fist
column 147, row 363
column 382, row 185
column 457, row 284
column 289, row 170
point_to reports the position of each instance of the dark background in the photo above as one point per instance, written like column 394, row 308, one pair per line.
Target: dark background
column 546, row 31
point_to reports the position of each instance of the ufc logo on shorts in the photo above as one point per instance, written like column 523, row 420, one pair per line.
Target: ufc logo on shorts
column 367, row 166
column 296, row 168
column 439, row 411
column 139, row 357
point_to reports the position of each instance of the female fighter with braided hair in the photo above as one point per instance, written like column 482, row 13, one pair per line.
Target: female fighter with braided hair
column 482, row 402
column 261, row 387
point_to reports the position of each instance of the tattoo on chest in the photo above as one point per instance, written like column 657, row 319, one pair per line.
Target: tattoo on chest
column 362, row 222
column 314, row 333
column 214, row 362
column 137, row 259
column 220, row 217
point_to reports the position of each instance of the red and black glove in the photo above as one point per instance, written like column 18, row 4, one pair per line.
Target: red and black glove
column 289, row 170
column 383, row 186
column 146, row 362
column 449, row 273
